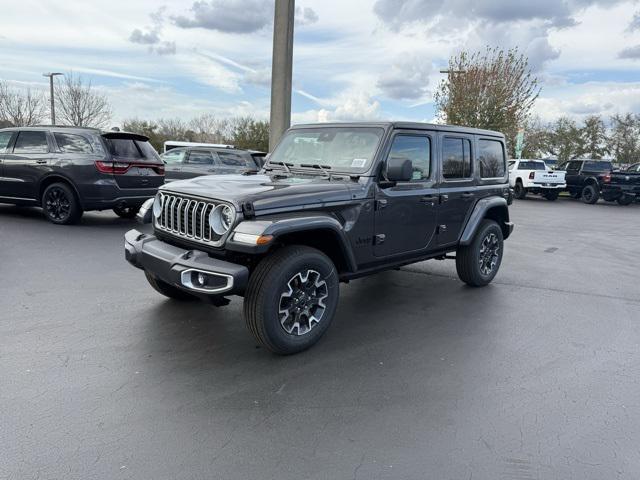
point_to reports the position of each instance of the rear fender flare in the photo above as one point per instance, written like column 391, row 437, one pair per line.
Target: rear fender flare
column 494, row 208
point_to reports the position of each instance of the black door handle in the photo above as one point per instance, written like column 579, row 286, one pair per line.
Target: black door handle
column 40, row 162
column 429, row 199
column 467, row 195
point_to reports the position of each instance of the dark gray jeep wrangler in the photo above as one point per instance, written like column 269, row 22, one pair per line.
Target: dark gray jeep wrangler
column 334, row 202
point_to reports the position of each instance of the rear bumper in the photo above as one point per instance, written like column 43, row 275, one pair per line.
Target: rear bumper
column 181, row 268
column 621, row 189
column 105, row 195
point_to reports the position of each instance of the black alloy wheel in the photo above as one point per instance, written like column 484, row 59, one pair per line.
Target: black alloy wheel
column 60, row 204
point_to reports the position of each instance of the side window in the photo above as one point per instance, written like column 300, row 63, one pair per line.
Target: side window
column 5, row 138
column 199, row 157
column 232, row 159
column 416, row 148
column 72, row 143
column 456, row 158
column 173, row 157
column 573, row 166
column 491, row 158
column 31, row 142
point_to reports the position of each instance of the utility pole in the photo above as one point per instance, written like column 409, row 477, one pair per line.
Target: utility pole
column 53, row 107
column 281, row 70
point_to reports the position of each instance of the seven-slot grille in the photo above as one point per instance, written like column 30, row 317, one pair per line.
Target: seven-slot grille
column 187, row 217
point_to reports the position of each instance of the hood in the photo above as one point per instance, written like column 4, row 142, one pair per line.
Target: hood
column 265, row 191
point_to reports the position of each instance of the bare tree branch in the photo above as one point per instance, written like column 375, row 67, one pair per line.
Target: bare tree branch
column 21, row 108
column 79, row 105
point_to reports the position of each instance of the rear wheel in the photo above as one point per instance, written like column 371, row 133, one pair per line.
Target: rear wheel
column 291, row 299
column 551, row 195
column 519, row 191
column 590, row 194
column 126, row 212
column 60, row 204
column 167, row 290
column 478, row 263
column 625, row 200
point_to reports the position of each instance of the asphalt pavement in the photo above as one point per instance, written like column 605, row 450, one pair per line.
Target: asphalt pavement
column 536, row 376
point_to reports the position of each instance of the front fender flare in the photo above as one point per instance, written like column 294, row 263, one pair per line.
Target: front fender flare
column 480, row 213
column 280, row 225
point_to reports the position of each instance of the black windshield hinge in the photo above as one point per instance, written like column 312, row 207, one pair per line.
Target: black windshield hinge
column 248, row 211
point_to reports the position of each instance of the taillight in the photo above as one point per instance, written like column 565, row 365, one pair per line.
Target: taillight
column 532, row 175
column 606, row 178
column 120, row 168
column 105, row 167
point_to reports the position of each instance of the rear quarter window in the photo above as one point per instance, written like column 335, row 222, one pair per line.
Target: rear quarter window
column 491, row 158
column 70, row 143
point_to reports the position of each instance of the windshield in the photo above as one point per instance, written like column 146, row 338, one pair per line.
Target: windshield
column 346, row 149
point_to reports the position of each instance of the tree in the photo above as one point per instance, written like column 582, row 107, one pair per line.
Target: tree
column 208, row 128
column 21, row 108
column 493, row 89
column 594, row 137
column 564, row 140
column 78, row 104
column 624, row 141
column 536, row 139
column 250, row 134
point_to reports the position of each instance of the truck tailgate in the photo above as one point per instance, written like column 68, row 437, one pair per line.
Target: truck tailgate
column 549, row 178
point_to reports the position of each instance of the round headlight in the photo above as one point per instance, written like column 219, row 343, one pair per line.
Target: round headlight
column 221, row 219
column 157, row 206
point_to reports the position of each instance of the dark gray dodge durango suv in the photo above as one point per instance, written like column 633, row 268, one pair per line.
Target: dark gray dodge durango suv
column 68, row 170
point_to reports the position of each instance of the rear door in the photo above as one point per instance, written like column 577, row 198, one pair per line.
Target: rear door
column 28, row 161
column 457, row 181
column 133, row 162
column 198, row 163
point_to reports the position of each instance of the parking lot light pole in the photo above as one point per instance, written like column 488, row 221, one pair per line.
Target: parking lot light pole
column 53, row 107
column 281, row 70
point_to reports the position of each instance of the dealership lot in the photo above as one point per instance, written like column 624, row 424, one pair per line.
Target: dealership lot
column 535, row 376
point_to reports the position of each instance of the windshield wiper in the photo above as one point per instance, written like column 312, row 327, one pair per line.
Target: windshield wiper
column 317, row 166
column 284, row 164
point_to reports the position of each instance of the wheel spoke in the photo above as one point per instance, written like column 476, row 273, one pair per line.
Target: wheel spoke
column 302, row 305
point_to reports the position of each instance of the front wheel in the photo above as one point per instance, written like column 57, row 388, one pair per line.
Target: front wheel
column 126, row 212
column 625, row 200
column 478, row 263
column 590, row 194
column 60, row 204
column 551, row 195
column 291, row 299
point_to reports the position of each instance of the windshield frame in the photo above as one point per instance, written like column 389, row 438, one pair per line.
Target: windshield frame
column 329, row 169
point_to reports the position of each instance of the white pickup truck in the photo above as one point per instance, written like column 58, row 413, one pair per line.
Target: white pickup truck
column 533, row 176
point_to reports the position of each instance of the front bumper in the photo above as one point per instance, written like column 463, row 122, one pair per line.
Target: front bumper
column 184, row 268
column 621, row 189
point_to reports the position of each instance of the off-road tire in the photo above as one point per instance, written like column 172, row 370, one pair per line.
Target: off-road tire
column 126, row 212
column 551, row 195
column 60, row 204
column 267, row 284
column 590, row 194
column 625, row 200
column 519, row 191
column 468, row 257
column 167, row 290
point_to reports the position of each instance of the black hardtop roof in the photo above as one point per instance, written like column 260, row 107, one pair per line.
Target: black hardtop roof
column 408, row 126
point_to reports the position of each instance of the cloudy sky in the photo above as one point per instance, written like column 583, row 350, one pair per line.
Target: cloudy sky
column 356, row 59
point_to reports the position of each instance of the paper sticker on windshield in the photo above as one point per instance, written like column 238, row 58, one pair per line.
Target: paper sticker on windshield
column 358, row 163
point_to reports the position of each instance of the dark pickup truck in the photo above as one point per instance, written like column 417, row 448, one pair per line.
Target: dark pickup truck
column 622, row 186
column 585, row 178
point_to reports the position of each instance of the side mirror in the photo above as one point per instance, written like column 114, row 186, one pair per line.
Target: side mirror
column 399, row 169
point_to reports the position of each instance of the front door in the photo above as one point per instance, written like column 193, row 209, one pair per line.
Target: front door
column 173, row 163
column 5, row 140
column 27, row 163
column 457, row 192
column 406, row 213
